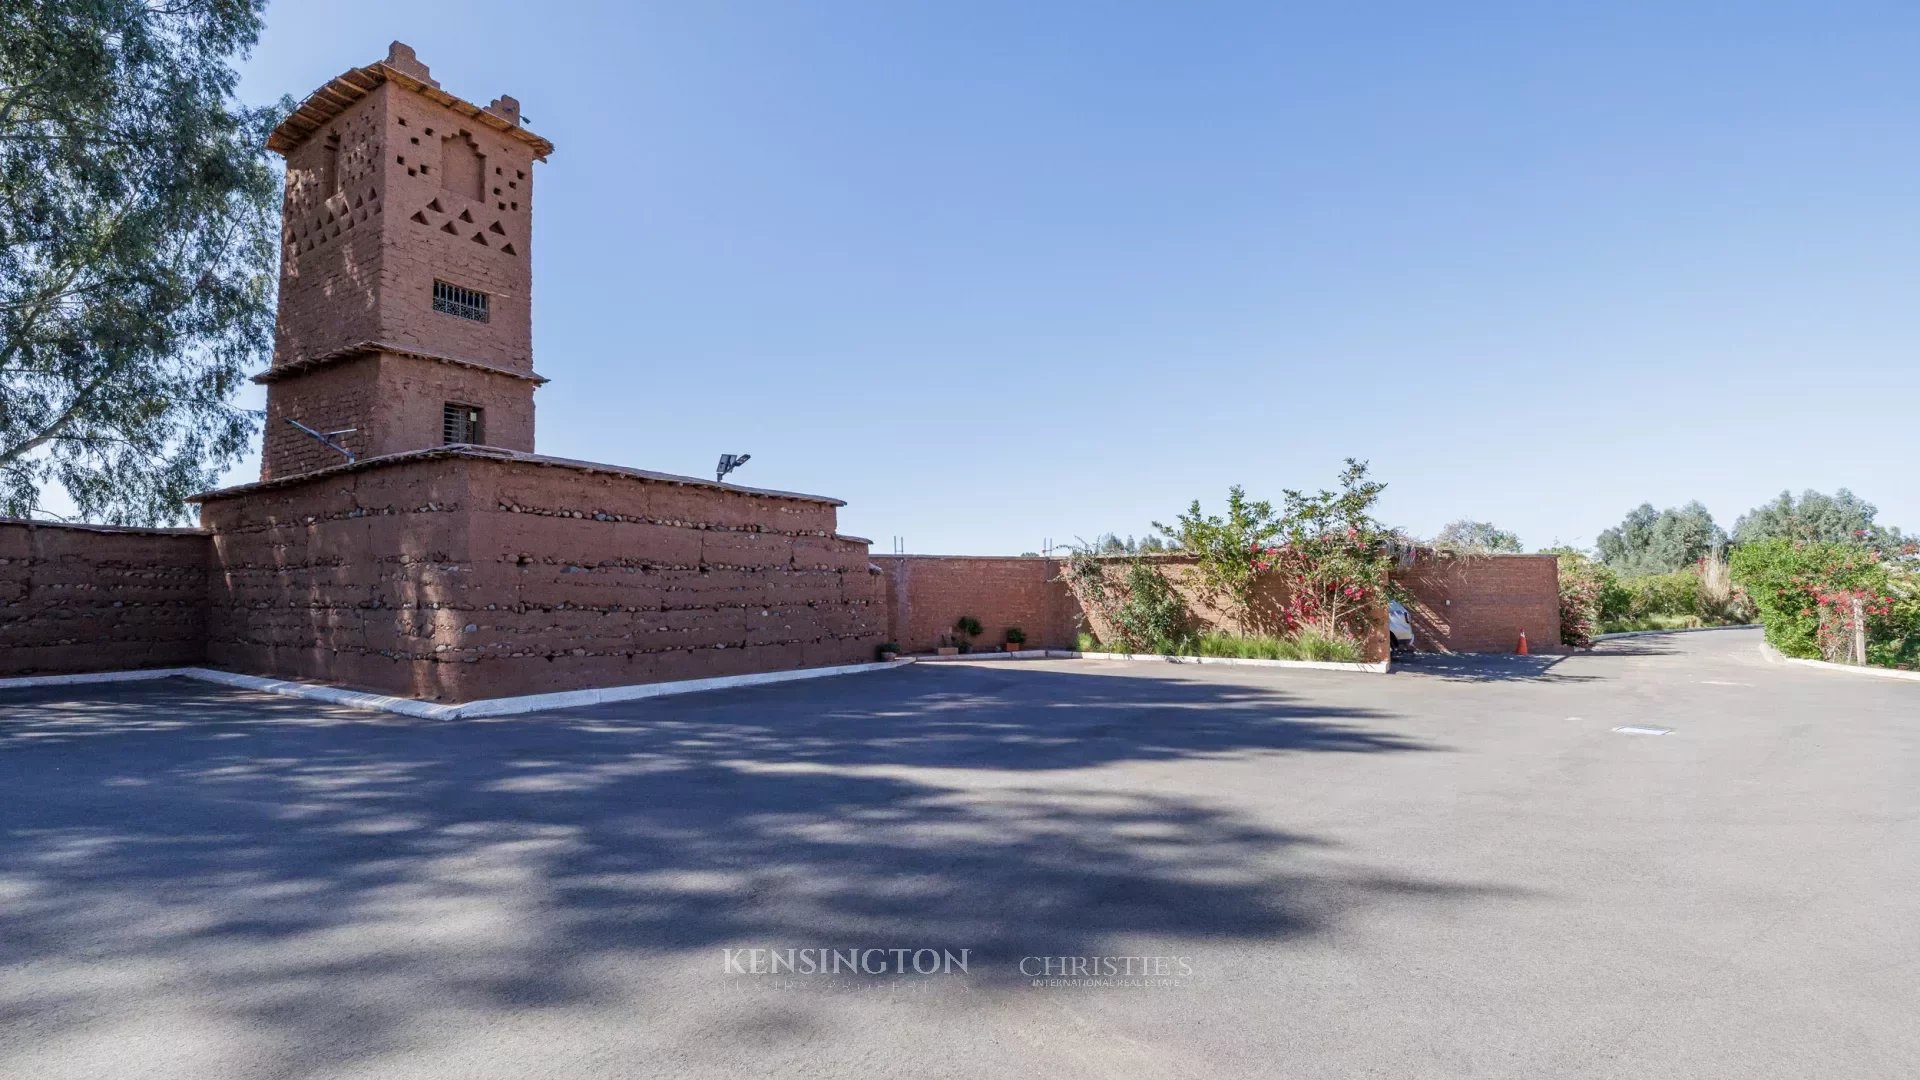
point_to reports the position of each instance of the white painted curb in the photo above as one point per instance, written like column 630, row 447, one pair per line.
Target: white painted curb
column 1677, row 630
column 568, row 699
column 1770, row 653
column 427, row 710
column 1378, row 668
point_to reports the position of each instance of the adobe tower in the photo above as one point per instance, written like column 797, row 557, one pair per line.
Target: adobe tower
column 405, row 314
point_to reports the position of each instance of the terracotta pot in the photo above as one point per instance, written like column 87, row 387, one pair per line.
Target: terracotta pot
column 946, row 650
column 886, row 656
column 1016, row 646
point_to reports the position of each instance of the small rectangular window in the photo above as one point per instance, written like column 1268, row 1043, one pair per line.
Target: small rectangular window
column 464, row 303
column 460, row 423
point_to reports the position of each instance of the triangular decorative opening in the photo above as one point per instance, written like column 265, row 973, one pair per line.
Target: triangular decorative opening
column 421, row 217
column 448, row 228
column 495, row 227
column 435, row 207
column 508, row 248
column 466, row 216
column 478, row 239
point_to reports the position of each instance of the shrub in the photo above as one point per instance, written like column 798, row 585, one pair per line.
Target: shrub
column 1016, row 636
column 1786, row 579
column 1306, row 645
column 1650, row 622
column 1582, row 585
column 1152, row 618
column 1662, row 594
column 886, row 647
column 1719, row 599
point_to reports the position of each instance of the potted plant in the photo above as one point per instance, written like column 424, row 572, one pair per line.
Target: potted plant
column 965, row 629
column 1016, row 639
column 946, row 647
column 888, row 650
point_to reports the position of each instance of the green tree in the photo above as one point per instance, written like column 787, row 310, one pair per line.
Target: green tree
column 1229, row 551
column 1478, row 538
column 1659, row 542
column 137, row 248
column 1816, row 518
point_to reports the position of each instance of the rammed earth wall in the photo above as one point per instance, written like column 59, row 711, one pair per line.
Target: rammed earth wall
column 466, row 576
column 470, row 573
column 76, row 598
column 927, row 594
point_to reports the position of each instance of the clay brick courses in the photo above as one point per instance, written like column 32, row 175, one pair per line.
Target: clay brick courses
column 492, row 577
column 78, row 599
column 1483, row 603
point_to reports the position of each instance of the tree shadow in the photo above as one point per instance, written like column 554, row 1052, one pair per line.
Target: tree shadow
column 1506, row 667
column 324, row 877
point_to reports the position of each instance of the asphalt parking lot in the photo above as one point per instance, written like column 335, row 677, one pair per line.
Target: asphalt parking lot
column 1459, row 869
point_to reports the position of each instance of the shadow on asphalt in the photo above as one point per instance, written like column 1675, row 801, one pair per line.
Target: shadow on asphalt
column 307, row 860
column 1502, row 667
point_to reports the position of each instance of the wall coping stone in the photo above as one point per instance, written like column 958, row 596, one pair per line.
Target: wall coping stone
column 496, row 454
column 120, row 530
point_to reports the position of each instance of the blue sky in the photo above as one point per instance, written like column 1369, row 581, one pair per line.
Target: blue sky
column 993, row 272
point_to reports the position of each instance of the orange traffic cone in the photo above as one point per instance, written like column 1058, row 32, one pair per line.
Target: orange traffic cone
column 1522, row 650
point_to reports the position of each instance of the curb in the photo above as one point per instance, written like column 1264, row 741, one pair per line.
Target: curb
column 1773, row 655
column 1676, row 630
column 569, row 699
column 1023, row 654
column 427, row 710
column 1377, row 668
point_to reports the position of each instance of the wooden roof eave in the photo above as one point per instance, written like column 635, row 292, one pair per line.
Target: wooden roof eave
column 344, row 90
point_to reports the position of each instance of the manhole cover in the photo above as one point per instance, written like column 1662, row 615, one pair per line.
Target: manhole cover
column 1639, row 729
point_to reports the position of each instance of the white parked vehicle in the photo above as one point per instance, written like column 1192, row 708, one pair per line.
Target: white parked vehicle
column 1400, row 625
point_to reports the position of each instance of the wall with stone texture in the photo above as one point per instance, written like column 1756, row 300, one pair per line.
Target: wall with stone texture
column 462, row 576
column 347, row 578
column 87, row 598
column 601, row 578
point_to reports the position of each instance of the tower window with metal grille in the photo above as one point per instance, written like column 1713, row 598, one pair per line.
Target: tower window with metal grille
column 464, row 303
column 460, row 423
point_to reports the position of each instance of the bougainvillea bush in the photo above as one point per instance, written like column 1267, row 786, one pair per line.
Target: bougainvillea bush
column 1324, row 552
column 1806, row 594
column 1584, row 586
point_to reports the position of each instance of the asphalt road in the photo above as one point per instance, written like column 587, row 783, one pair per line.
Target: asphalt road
column 1459, row 869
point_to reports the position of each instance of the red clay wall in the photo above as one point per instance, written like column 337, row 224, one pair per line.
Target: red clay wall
column 342, row 579
column 601, row 578
column 1483, row 603
column 462, row 577
column 1269, row 599
column 926, row 594
column 86, row 598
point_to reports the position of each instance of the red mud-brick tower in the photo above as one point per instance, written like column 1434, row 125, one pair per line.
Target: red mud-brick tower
column 405, row 284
